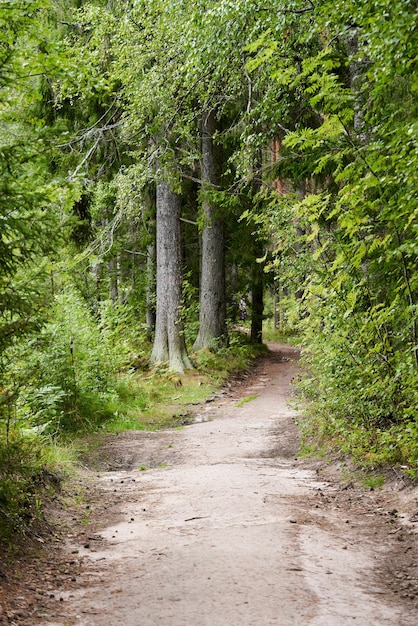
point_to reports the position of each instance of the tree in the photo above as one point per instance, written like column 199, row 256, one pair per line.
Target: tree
column 30, row 205
column 169, row 344
column 216, row 43
column 212, row 322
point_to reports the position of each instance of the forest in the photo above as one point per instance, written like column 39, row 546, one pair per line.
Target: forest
column 169, row 168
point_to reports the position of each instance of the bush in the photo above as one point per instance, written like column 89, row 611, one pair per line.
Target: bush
column 360, row 389
column 22, row 478
column 65, row 374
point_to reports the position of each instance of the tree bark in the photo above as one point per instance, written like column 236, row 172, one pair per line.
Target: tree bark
column 257, row 298
column 150, row 289
column 212, row 316
column 257, row 271
column 114, row 280
column 169, row 344
column 357, row 68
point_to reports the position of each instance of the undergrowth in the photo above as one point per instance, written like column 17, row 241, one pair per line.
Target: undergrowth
column 157, row 398
column 26, row 476
column 359, row 386
column 326, row 432
column 284, row 335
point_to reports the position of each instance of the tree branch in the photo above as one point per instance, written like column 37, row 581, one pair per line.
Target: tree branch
column 250, row 89
column 183, row 219
column 85, row 160
column 86, row 131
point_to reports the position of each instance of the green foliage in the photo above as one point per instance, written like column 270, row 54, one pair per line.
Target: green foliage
column 245, row 400
column 23, row 477
column 28, row 194
column 344, row 226
column 30, row 203
column 221, row 363
column 373, row 482
column 64, row 374
column 316, row 107
column 370, row 447
column 125, row 337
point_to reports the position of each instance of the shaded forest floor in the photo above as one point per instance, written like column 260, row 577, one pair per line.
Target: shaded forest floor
column 221, row 523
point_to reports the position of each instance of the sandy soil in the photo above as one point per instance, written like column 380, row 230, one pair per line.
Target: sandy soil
column 220, row 524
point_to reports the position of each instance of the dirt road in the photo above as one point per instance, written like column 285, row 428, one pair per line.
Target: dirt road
column 226, row 527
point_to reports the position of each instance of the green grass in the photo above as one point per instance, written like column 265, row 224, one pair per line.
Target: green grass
column 30, row 469
column 281, row 335
column 373, row 482
column 157, row 398
column 245, row 400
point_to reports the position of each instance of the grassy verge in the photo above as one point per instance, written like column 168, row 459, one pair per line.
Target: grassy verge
column 157, row 398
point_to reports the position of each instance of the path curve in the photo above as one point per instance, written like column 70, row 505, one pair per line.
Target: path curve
column 227, row 527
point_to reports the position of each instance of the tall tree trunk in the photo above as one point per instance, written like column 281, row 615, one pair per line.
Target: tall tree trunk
column 150, row 289
column 169, row 344
column 149, row 204
column 257, row 297
column 114, row 280
column 276, row 300
column 257, row 271
column 357, row 68
column 212, row 325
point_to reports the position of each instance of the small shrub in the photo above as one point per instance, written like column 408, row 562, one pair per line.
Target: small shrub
column 23, row 477
column 65, row 374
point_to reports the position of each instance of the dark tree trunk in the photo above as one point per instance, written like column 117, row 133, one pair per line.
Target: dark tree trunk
column 149, row 207
column 257, row 271
column 114, row 280
column 276, row 300
column 150, row 289
column 212, row 326
column 169, row 344
column 257, row 300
